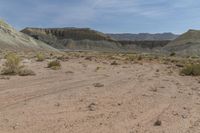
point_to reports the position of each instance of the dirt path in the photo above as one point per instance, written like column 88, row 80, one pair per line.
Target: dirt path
column 131, row 99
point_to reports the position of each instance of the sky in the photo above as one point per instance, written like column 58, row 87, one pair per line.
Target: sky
column 108, row 16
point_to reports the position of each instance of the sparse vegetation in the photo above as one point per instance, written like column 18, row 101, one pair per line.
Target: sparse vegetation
column 139, row 57
column 130, row 57
column 114, row 63
column 173, row 54
column 40, row 57
column 12, row 65
column 97, row 68
column 191, row 70
column 55, row 65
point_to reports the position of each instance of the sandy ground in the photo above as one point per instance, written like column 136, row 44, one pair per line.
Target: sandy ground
column 128, row 98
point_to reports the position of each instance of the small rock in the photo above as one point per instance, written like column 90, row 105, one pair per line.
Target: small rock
column 173, row 97
column 180, row 65
column 69, row 72
column 154, row 89
column 158, row 123
column 88, row 58
column 114, row 63
column 57, row 104
column 175, row 113
column 91, row 107
column 184, row 116
column 98, row 85
column 119, row 104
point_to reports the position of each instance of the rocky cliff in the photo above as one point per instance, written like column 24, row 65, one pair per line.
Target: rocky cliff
column 74, row 38
column 144, row 36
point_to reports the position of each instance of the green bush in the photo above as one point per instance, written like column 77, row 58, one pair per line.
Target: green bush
column 12, row 64
column 40, row 57
column 54, row 65
column 191, row 70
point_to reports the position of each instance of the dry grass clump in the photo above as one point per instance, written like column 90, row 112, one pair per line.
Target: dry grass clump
column 191, row 70
column 13, row 66
column 55, row 65
column 130, row 57
column 40, row 57
column 172, row 54
column 139, row 58
column 114, row 63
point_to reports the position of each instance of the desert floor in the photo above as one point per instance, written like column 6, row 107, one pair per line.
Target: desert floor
column 93, row 96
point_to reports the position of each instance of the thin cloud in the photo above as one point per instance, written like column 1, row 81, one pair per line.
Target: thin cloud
column 122, row 15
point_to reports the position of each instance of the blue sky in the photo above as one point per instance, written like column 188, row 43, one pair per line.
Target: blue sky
column 117, row 16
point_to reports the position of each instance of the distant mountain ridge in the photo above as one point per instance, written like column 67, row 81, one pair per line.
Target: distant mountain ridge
column 144, row 36
column 74, row 38
column 69, row 33
column 186, row 44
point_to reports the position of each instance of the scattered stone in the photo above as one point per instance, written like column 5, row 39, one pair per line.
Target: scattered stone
column 173, row 97
column 185, row 108
column 98, row 85
column 174, row 113
column 15, row 126
column 91, row 107
column 25, row 61
column 26, row 72
column 114, row 63
column 180, row 65
column 154, row 89
column 57, row 104
column 119, row 104
column 4, row 77
column 158, row 123
column 69, row 72
column 184, row 116
column 88, row 58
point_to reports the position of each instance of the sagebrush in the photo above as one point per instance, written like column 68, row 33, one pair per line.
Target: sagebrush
column 55, row 64
column 191, row 70
column 12, row 65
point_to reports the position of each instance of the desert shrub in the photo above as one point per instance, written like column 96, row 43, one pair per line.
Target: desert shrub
column 54, row 65
column 97, row 68
column 194, row 57
column 114, row 63
column 191, row 70
column 12, row 64
column 26, row 72
column 139, row 57
column 172, row 54
column 130, row 58
column 40, row 57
